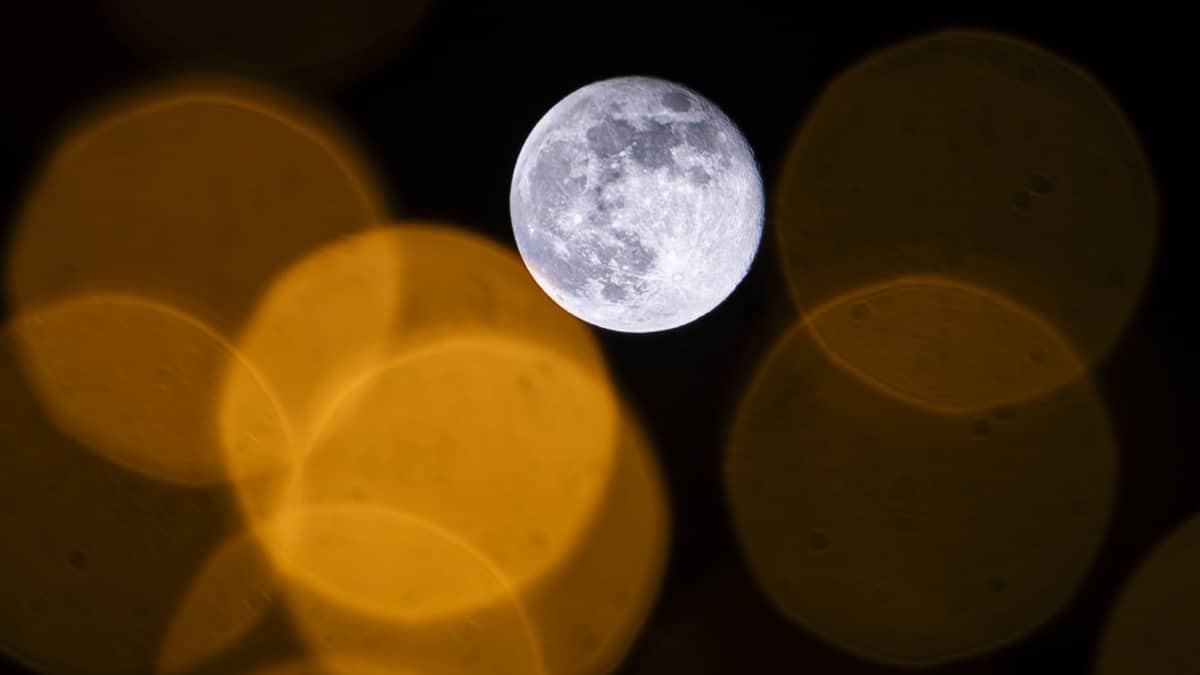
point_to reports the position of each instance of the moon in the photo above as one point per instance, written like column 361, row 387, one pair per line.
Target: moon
column 637, row 204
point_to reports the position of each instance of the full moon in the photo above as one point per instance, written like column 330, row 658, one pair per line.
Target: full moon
column 636, row 204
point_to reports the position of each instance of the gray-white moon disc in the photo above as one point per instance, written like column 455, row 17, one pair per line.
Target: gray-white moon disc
column 636, row 204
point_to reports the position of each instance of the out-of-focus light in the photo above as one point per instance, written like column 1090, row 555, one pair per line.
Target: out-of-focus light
column 589, row 610
column 140, row 383
column 909, row 536
column 322, row 322
column 506, row 446
column 95, row 557
column 430, row 381
column 355, row 303
column 944, row 345
column 367, row 587
column 585, row 613
column 194, row 193
column 331, row 666
column 391, row 590
column 982, row 158
column 313, row 42
column 1152, row 628
column 228, row 597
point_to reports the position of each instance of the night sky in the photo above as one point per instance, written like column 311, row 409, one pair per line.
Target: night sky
column 442, row 116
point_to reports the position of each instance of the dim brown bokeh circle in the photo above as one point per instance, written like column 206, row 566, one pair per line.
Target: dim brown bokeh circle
column 979, row 157
column 908, row 535
column 1152, row 627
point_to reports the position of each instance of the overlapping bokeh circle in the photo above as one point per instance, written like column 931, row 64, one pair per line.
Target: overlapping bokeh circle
column 251, row 425
column 920, row 470
column 255, row 423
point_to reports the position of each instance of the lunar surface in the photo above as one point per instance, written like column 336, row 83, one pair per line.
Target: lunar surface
column 636, row 204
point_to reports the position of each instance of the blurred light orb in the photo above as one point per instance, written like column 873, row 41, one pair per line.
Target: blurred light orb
column 905, row 526
column 637, row 204
column 1152, row 626
column 320, row 43
column 979, row 157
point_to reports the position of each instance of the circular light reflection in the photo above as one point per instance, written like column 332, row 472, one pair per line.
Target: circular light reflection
column 139, row 384
column 357, row 304
column 943, row 345
column 506, row 446
column 193, row 192
column 95, row 557
column 332, row 554
column 1152, row 626
column 314, row 41
column 907, row 536
column 979, row 157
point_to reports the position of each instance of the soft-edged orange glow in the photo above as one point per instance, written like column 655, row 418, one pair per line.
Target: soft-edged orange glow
column 322, row 41
column 908, row 536
column 383, row 588
column 320, row 324
column 408, row 566
column 944, row 345
column 333, row 666
column 139, row 384
column 93, row 558
column 1152, row 628
column 362, row 302
column 432, row 470
column 584, row 613
column 434, row 386
column 459, row 284
column 193, row 193
column 228, row 597
column 508, row 447
column 385, row 563
column 366, row 566
column 358, row 302
column 589, row 610
column 982, row 158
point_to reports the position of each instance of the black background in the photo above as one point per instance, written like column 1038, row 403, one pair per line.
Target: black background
column 443, row 118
